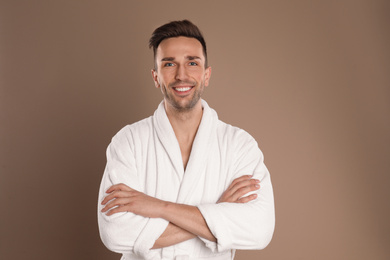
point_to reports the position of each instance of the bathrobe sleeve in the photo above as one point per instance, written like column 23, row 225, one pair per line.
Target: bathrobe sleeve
column 125, row 232
column 243, row 225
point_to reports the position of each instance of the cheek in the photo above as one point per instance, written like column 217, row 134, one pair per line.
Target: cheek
column 160, row 80
column 198, row 75
column 167, row 77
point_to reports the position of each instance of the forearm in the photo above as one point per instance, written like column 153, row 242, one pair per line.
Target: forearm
column 172, row 236
column 188, row 218
column 191, row 221
column 122, row 198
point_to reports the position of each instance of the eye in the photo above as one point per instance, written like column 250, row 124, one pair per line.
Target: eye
column 168, row 64
column 193, row 63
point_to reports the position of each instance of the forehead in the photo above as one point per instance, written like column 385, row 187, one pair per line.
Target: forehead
column 179, row 46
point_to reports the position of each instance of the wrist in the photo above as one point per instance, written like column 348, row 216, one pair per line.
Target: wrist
column 165, row 208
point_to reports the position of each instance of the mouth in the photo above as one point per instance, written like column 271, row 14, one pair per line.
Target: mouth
column 183, row 90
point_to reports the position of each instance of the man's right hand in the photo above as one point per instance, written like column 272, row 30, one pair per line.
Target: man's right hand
column 239, row 187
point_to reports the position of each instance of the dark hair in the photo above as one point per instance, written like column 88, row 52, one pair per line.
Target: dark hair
column 175, row 29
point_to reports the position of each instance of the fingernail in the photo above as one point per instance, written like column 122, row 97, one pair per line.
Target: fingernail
column 257, row 186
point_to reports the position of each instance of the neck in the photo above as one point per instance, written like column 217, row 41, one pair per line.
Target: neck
column 185, row 123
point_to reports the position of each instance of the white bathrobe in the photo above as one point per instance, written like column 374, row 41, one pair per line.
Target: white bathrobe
column 146, row 156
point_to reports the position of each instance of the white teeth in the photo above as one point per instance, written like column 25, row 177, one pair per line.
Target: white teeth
column 183, row 89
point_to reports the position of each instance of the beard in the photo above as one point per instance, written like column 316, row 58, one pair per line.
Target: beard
column 183, row 105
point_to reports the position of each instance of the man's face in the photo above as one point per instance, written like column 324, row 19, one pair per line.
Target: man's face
column 180, row 72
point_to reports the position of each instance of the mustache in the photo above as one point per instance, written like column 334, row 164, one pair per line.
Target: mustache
column 182, row 82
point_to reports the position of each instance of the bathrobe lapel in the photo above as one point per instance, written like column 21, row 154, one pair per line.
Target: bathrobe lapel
column 191, row 178
column 167, row 144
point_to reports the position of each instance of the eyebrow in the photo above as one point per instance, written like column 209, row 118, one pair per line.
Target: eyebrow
column 193, row 58
column 187, row 57
column 168, row 59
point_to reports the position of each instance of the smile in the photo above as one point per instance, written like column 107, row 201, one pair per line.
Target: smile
column 183, row 89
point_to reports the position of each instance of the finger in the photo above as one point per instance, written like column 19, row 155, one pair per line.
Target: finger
column 233, row 195
column 244, row 190
column 237, row 183
column 116, row 203
column 239, row 179
column 116, row 194
column 242, row 184
column 247, row 198
column 119, row 186
column 120, row 208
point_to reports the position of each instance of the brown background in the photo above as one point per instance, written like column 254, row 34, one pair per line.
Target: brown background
column 308, row 79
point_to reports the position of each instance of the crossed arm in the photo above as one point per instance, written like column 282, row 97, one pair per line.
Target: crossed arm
column 185, row 221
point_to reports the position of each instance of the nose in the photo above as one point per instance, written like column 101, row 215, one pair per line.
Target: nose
column 181, row 73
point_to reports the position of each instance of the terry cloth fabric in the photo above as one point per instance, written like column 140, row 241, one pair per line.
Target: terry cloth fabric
column 146, row 156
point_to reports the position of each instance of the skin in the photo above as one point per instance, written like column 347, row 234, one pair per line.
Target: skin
column 180, row 63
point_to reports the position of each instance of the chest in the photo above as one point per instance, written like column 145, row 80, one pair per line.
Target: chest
column 185, row 150
column 190, row 176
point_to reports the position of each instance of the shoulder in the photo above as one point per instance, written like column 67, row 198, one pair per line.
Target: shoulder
column 228, row 133
column 134, row 131
column 233, row 134
column 238, row 141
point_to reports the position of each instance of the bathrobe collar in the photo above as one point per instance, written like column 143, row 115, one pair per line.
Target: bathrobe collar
column 204, row 138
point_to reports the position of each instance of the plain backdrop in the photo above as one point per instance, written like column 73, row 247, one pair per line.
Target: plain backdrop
column 308, row 79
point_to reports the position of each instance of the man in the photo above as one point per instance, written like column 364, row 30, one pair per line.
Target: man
column 181, row 184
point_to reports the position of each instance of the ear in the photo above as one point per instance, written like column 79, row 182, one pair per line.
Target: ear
column 155, row 78
column 207, row 76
